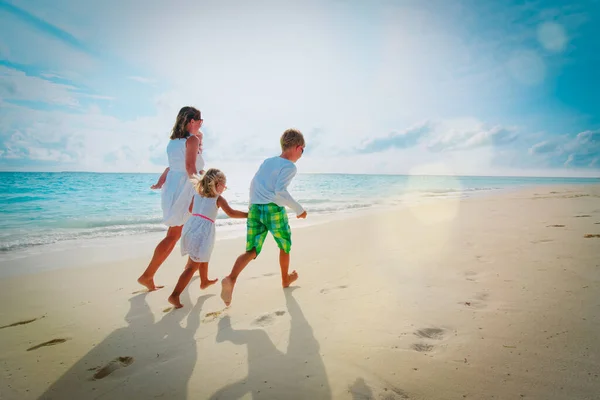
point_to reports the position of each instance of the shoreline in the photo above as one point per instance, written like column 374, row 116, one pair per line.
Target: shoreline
column 96, row 251
column 91, row 251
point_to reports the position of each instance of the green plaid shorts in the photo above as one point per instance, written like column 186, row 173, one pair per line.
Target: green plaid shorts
column 263, row 218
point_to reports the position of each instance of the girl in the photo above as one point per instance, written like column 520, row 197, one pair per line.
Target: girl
column 198, row 235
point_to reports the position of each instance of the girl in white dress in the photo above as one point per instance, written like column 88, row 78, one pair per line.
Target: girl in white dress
column 177, row 191
column 198, row 238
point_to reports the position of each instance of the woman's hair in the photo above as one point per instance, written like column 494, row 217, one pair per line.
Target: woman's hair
column 186, row 114
column 206, row 185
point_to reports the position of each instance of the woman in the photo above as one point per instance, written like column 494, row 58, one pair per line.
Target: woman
column 185, row 160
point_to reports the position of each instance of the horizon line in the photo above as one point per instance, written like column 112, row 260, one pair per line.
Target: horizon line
column 327, row 173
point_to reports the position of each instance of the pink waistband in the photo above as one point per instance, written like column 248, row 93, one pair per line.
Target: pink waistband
column 203, row 216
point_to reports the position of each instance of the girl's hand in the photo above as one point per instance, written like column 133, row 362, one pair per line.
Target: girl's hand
column 156, row 186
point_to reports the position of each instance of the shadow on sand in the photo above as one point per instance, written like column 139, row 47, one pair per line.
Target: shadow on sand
column 297, row 374
column 145, row 359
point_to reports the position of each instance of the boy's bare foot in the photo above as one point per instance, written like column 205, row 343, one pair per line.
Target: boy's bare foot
column 148, row 283
column 290, row 278
column 210, row 282
column 175, row 301
column 227, row 290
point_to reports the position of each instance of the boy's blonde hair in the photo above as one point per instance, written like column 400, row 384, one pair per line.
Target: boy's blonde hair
column 291, row 138
column 206, row 185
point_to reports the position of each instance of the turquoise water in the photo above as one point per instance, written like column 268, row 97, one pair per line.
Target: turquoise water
column 45, row 208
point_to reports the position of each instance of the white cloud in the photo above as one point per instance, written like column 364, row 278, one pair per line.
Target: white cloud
column 455, row 139
column 83, row 140
column 581, row 150
column 16, row 85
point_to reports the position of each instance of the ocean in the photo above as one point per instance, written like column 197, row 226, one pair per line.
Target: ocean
column 40, row 209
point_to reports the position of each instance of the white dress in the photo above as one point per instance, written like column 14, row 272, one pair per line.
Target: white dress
column 198, row 235
column 177, row 192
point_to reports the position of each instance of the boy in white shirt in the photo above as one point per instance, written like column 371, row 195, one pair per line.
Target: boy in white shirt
column 268, row 198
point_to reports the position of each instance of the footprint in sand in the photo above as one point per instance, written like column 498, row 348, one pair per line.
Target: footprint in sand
column 591, row 235
column 422, row 347
column 327, row 290
column 117, row 363
column 48, row 343
column 267, row 319
column 471, row 275
column 361, row 390
column 24, row 322
column 264, row 275
column 478, row 302
column 430, row 333
column 483, row 296
column 211, row 316
column 555, row 226
column 542, row 241
column 583, row 216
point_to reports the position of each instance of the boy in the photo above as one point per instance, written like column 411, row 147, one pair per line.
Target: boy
column 268, row 198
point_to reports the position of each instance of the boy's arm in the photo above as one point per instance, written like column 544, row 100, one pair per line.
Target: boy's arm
column 161, row 180
column 281, row 193
column 221, row 202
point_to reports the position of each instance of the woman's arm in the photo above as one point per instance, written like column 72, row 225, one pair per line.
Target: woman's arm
column 161, row 180
column 221, row 202
column 191, row 152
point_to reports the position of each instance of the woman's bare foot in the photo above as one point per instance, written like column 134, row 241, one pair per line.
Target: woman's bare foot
column 290, row 278
column 205, row 284
column 175, row 301
column 148, row 283
column 227, row 290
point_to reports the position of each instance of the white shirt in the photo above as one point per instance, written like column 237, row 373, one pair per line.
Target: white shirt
column 270, row 183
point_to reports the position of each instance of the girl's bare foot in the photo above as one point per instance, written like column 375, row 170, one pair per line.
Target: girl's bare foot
column 175, row 301
column 227, row 290
column 290, row 278
column 148, row 283
column 205, row 284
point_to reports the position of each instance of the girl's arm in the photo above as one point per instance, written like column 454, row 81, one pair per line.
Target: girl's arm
column 221, row 202
column 161, row 180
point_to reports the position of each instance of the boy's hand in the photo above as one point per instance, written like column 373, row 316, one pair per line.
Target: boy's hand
column 303, row 215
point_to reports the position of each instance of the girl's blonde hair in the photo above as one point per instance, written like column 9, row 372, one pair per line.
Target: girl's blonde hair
column 186, row 114
column 206, row 185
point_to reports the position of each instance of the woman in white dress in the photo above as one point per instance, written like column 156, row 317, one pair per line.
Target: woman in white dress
column 177, row 192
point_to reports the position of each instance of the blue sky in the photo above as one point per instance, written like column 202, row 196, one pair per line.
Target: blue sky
column 443, row 86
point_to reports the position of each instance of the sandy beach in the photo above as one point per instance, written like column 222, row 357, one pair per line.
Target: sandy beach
column 494, row 297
